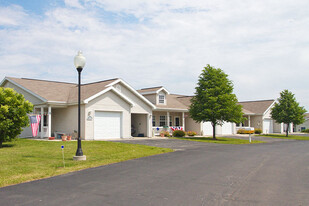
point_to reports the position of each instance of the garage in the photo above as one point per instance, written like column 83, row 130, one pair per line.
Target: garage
column 107, row 125
column 267, row 126
column 207, row 128
column 227, row 128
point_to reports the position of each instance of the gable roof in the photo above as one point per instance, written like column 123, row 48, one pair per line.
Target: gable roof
column 153, row 90
column 63, row 92
column 256, row 107
column 47, row 90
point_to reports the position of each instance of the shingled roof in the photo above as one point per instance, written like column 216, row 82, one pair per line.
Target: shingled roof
column 61, row 91
column 256, row 107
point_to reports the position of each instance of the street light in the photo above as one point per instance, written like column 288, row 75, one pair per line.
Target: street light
column 79, row 62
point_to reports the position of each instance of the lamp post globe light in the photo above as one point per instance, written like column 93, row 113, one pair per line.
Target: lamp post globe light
column 79, row 62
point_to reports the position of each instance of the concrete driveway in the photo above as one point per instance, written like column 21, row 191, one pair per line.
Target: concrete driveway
column 276, row 173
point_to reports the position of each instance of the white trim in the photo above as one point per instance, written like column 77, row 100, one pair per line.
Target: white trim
column 60, row 102
column 172, row 109
column 27, row 90
column 132, row 90
column 161, row 90
column 106, row 90
column 269, row 107
column 49, row 121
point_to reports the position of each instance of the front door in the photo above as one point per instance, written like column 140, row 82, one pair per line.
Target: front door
column 177, row 123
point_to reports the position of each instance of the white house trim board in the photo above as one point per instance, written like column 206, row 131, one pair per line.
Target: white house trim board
column 106, row 90
column 269, row 107
column 132, row 90
column 162, row 89
column 27, row 90
column 171, row 109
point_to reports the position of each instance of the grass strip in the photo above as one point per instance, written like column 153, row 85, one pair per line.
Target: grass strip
column 281, row 136
column 24, row 160
column 220, row 140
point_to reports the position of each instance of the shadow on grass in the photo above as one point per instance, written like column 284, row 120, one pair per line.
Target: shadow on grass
column 7, row 145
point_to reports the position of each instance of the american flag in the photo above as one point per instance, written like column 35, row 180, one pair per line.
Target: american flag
column 35, row 122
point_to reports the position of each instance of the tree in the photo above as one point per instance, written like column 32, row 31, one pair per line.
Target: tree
column 287, row 110
column 214, row 100
column 13, row 114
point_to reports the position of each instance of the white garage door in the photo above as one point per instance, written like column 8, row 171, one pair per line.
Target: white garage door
column 107, row 125
column 227, row 128
column 207, row 128
column 267, row 126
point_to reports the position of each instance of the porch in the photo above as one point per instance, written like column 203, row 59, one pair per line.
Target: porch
column 167, row 121
column 55, row 121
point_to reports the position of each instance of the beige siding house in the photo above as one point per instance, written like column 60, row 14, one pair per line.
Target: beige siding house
column 258, row 114
column 113, row 109
column 303, row 126
column 172, row 112
column 110, row 109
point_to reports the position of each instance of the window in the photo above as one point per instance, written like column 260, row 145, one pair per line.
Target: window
column 162, row 121
column 161, row 99
column 171, row 123
column 153, row 121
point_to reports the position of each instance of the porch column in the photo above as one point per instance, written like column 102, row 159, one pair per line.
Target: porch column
column 42, row 121
column 148, row 117
column 249, row 122
column 168, row 119
column 183, row 121
column 49, row 121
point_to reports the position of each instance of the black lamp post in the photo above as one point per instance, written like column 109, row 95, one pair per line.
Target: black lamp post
column 79, row 62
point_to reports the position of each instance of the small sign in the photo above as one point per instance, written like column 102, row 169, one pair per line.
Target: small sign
column 62, row 146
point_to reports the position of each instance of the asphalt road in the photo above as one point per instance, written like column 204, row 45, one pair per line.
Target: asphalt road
column 275, row 173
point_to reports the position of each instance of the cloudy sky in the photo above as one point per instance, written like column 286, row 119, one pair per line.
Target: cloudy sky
column 262, row 45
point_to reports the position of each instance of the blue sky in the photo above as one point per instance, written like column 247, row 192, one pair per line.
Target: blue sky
column 262, row 45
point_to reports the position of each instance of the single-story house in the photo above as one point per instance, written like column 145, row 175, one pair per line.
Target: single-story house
column 113, row 109
column 258, row 114
column 108, row 108
column 303, row 126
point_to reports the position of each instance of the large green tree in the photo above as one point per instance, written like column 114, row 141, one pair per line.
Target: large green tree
column 13, row 114
column 214, row 100
column 287, row 110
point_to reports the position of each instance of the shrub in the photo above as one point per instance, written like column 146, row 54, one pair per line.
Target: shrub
column 165, row 133
column 178, row 133
column 243, row 131
column 191, row 133
column 306, row 131
column 257, row 131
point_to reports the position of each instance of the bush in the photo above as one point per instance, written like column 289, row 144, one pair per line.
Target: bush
column 165, row 133
column 306, row 131
column 178, row 133
column 191, row 133
column 257, row 131
column 243, row 131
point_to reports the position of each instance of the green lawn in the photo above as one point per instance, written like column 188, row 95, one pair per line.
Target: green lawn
column 281, row 136
column 23, row 160
column 220, row 140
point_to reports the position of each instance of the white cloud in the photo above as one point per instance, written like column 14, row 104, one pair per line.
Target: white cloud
column 73, row 3
column 11, row 16
column 262, row 45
